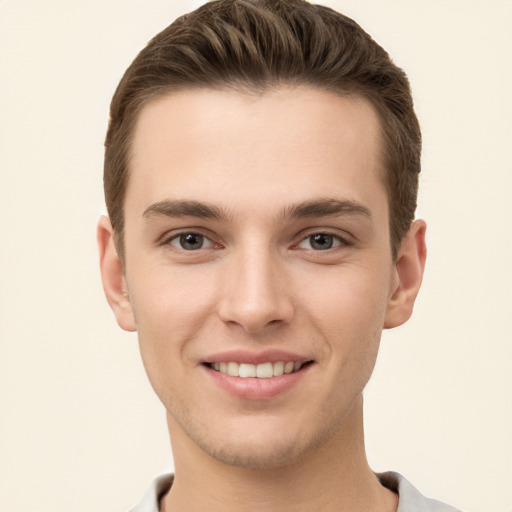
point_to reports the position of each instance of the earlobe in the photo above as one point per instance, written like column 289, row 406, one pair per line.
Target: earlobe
column 409, row 267
column 112, row 275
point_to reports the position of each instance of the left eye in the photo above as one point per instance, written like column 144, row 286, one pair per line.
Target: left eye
column 190, row 241
column 320, row 242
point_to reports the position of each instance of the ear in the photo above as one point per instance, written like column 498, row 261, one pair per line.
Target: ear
column 409, row 267
column 112, row 275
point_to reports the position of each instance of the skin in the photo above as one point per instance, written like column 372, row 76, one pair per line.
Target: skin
column 259, row 282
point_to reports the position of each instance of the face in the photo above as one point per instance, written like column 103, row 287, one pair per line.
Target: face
column 258, row 268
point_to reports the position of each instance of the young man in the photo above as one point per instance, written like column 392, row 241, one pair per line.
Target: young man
column 261, row 174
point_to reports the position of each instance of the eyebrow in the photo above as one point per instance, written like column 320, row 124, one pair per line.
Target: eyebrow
column 327, row 207
column 186, row 208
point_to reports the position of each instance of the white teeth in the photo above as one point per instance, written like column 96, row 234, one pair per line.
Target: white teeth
column 265, row 371
column 278, row 369
column 288, row 367
column 247, row 370
column 233, row 369
column 261, row 371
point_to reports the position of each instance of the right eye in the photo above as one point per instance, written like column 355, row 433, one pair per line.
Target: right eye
column 190, row 241
column 321, row 242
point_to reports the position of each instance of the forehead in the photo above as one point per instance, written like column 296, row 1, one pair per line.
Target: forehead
column 244, row 149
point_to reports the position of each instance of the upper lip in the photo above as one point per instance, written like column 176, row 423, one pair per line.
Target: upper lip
column 248, row 357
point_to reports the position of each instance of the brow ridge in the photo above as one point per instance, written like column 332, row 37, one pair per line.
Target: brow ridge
column 185, row 208
column 324, row 207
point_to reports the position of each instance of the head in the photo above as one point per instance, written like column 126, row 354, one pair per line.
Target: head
column 258, row 46
column 260, row 173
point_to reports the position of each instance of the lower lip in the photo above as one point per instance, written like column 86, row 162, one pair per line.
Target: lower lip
column 252, row 388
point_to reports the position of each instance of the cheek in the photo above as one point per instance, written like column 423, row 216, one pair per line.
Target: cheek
column 170, row 306
column 349, row 297
column 169, row 298
column 348, row 309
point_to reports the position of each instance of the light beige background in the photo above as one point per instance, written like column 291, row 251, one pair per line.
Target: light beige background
column 80, row 429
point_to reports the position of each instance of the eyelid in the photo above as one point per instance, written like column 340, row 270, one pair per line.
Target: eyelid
column 344, row 240
column 207, row 243
column 169, row 236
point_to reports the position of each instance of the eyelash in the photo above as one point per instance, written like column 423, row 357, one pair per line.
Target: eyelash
column 177, row 236
column 338, row 240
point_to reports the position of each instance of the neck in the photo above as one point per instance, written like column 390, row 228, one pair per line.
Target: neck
column 334, row 477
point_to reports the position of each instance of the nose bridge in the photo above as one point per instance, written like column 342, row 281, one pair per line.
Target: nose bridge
column 254, row 290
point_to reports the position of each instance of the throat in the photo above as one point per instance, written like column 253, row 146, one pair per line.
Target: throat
column 332, row 477
column 283, row 494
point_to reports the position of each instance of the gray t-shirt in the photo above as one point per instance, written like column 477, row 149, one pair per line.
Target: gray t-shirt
column 409, row 498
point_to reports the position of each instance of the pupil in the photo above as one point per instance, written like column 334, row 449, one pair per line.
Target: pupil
column 321, row 241
column 191, row 241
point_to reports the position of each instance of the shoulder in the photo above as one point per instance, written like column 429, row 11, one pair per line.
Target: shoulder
column 150, row 501
column 409, row 498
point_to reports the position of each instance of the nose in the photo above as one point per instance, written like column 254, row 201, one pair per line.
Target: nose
column 256, row 293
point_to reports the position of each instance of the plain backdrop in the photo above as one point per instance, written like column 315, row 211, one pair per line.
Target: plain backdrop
column 80, row 428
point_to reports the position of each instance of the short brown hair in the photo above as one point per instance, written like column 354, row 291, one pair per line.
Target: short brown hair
column 258, row 45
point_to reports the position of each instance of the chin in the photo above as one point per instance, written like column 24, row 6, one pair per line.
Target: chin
column 260, row 440
column 256, row 457
column 265, row 448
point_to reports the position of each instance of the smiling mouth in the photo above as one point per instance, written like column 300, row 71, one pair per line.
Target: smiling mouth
column 259, row 371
